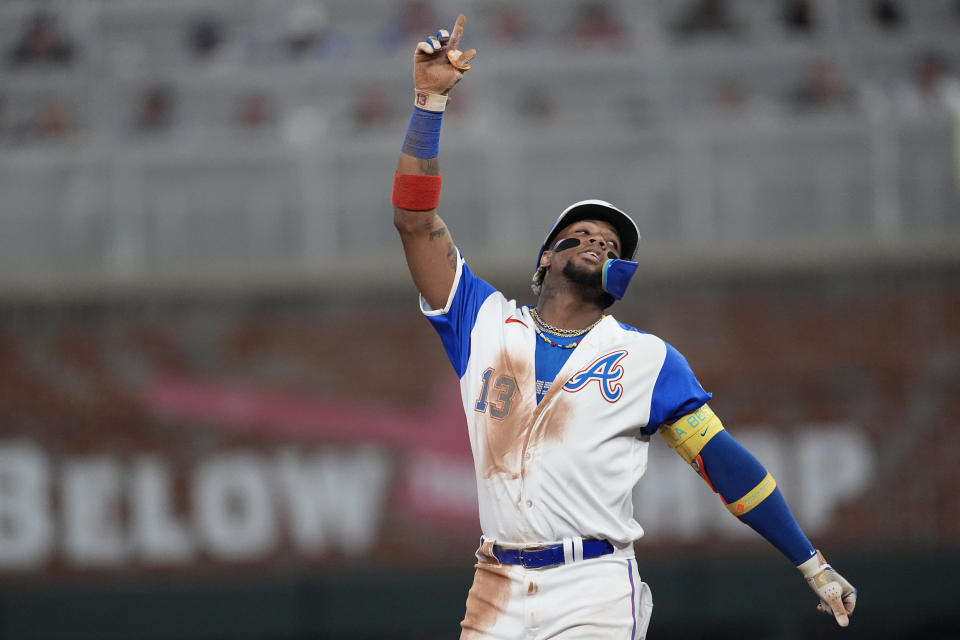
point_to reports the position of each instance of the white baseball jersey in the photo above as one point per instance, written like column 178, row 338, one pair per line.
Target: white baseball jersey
column 565, row 467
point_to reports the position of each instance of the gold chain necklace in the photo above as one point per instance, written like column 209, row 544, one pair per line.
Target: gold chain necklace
column 567, row 333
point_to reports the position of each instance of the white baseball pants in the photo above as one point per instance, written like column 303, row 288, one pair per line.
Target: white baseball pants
column 599, row 598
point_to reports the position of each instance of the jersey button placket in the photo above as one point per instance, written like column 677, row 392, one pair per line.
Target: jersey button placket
column 528, row 483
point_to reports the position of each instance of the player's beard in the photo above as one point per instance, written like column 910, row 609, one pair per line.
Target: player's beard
column 589, row 280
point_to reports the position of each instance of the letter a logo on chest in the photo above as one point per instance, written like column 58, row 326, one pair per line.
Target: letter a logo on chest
column 605, row 370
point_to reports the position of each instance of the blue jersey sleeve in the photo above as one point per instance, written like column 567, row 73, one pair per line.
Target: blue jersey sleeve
column 455, row 322
column 675, row 393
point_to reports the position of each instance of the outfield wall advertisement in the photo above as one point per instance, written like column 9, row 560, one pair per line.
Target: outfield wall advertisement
column 204, row 436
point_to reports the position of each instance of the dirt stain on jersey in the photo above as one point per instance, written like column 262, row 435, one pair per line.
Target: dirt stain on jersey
column 532, row 588
column 550, row 421
column 509, row 439
column 505, row 437
column 557, row 410
column 487, row 599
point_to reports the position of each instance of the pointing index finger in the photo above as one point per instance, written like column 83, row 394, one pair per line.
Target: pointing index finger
column 457, row 32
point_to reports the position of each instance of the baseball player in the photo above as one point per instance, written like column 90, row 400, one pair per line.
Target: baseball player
column 561, row 400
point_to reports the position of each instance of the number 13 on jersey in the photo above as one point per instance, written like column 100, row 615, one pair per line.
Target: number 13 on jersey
column 497, row 395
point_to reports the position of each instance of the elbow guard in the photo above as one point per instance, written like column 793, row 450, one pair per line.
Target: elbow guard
column 690, row 434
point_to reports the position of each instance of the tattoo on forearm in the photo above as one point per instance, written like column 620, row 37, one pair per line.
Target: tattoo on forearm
column 429, row 166
column 451, row 254
column 436, row 233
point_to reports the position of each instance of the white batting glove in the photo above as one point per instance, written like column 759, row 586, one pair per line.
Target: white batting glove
column 438, row 65
column 837, row 596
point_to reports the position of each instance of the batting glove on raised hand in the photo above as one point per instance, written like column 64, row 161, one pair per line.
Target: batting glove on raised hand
column 438, row 65
column 837, row 596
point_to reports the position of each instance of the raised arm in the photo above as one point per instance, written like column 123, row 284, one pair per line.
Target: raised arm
column 438, row 65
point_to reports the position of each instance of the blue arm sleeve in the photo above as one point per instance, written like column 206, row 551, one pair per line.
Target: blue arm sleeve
column 734, row 471
column 456, row 325
column 675, row 393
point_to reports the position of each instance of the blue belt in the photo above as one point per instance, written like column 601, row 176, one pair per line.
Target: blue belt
column 539, row 557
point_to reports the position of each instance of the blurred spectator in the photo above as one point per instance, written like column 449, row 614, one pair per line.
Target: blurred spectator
column 822, row 89
column 254, row 111
column 415, row 20
column 209, row 42
column 54, row 120
column 932, row 87
column 204, row 38
column 707, row 18
column 734, row 100
column 373, row 110
column 886, row 15
column 800, row 16
column 595, row 24
column 307, row 34
column 933, row 80
column 43, row 43
column 154, row 112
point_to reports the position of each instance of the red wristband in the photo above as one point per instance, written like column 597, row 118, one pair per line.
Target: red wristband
column 414, row 192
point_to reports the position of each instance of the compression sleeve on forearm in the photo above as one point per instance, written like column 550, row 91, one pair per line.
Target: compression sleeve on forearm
column 751, row 494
